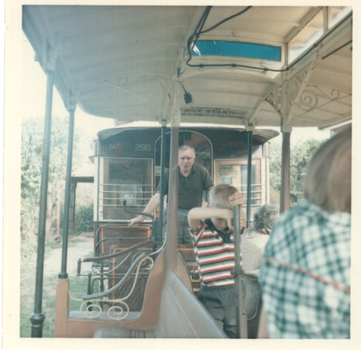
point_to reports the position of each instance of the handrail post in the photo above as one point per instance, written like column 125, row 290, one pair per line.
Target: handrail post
column 241, row 317
column 63, row 274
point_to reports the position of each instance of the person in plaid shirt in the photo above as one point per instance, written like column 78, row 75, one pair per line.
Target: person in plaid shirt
column 212, row 232
column 305, row 276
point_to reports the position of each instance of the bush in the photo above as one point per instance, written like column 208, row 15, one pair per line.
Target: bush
column 84, row 218
column 301, row 153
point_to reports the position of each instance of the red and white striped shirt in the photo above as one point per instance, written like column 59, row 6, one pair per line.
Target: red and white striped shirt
column 214, row 252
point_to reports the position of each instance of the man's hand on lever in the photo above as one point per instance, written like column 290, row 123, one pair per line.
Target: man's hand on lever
column 134, row 222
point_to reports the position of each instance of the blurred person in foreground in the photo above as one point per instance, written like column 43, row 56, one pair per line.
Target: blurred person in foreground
column 305, row 276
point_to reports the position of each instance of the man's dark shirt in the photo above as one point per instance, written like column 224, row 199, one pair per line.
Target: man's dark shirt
column 190, row 188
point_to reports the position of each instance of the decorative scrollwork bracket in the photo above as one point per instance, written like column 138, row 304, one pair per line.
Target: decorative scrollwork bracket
column 288, row 96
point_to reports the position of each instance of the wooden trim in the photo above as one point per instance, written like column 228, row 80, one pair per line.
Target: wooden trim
column 62, row 308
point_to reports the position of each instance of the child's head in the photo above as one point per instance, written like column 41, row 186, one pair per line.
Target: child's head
column 265, row 217
column 219, row 196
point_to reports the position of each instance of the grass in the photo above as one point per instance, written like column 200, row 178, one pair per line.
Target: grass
column 27, row 292
column 78, row 288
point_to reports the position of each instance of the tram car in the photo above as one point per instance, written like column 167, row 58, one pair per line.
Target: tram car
column 127, row 174
column 249, row 67
column 127, row 166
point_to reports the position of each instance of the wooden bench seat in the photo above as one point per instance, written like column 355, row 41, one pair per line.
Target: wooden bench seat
column 114, row 332
column 180, row 315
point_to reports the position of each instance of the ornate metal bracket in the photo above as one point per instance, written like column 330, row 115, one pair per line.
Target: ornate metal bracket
column 290, row 95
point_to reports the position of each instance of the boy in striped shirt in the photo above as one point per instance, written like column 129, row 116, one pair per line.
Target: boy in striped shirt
column 212, row 232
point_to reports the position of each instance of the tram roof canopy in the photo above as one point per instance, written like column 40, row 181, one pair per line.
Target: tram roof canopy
column 256, row 66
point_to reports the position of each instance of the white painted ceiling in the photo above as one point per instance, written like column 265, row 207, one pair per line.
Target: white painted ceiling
column 130, row 63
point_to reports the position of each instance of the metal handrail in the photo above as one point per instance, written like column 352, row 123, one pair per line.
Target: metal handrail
column 118, row 205
column 105, row 191
column 140, row 213
column 120, row 283
column 126, row 276
column 126, row 250
column 130, row 185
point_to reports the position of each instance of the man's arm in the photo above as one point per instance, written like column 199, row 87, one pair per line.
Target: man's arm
column 195, row 215
column 207, row 181
column 152, row 204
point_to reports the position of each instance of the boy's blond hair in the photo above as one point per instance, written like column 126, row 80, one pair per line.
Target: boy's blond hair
column 219, row 196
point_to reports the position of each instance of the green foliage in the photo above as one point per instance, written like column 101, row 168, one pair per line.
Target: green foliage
column 84, row 218
column 301, row 153
column 31, row 164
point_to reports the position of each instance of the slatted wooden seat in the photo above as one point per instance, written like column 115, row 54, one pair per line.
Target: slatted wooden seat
column 175, row 311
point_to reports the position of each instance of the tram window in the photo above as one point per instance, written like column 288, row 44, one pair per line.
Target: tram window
column 236, row 49
column 244, row 177
column 234, row 172
column 306, row 37
column 125, row 179
column 336, row 13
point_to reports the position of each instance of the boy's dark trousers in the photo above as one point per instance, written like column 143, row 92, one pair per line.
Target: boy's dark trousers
column 220, row 302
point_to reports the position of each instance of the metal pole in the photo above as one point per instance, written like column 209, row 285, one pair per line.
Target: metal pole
column 172, row 221
column 285, row 173
column 249, row 176
column 37, row 318
column 63, row 274
column 161, row 193
column 241, row 317
column 73, row 199
column 58, row 212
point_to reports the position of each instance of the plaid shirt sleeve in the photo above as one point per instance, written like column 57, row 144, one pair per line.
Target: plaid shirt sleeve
column 305, row 275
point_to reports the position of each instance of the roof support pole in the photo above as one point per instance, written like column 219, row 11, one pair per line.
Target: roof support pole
column 63, row 274
column 161, row 192
column 249, row 175
column 285, row 172
column 172, row 220
column 286, row 99
column 241, row 316
column 37, row 318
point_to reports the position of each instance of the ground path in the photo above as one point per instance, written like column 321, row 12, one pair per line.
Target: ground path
column 83, row 247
